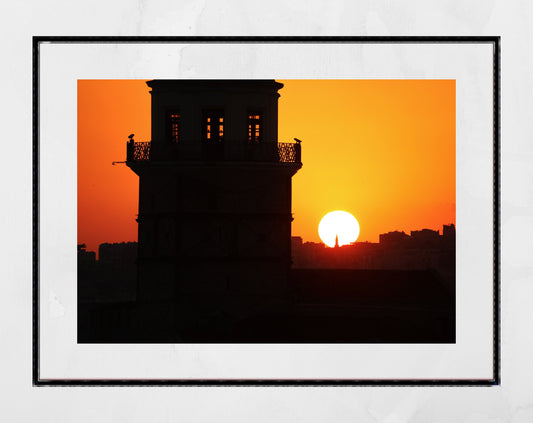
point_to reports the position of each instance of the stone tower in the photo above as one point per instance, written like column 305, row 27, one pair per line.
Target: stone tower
column 214, row 222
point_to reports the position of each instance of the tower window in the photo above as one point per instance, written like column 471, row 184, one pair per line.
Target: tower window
column 254, row 127
column 174, row 126
column 214, row 126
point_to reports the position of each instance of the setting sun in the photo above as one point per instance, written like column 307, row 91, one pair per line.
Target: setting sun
column 338, row 226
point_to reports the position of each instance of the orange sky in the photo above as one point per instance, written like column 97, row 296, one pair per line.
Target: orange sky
column 383, row 150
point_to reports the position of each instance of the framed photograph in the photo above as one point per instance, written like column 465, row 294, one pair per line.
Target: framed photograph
column 266, row 211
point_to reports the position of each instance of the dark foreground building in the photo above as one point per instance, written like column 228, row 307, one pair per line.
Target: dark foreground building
column 214, row 240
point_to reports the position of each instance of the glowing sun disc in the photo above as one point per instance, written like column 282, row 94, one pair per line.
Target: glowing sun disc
column 339, row 224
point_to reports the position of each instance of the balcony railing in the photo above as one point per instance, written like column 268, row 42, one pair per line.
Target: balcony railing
column 289, row 152
column 285, row 153
column 138, row 151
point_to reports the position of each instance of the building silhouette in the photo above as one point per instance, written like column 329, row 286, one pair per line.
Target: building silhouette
column 394, row 238
column 85, row 258
column 214, row 223
column 121, row 253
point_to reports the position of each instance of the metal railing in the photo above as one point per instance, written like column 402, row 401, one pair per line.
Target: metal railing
column 286, row 153
column 290, row 152
column 138, row 151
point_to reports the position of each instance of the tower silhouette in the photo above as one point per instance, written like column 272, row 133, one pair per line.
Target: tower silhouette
column 214, row 222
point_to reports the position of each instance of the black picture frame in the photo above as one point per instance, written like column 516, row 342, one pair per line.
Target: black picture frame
column 495, row 380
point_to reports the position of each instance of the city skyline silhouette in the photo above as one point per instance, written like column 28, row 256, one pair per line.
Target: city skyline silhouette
column 433, row 270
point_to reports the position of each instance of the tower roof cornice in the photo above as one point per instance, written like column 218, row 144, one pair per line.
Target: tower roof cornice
column 214, row 84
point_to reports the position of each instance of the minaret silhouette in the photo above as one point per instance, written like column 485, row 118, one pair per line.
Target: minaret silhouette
column 336, row 240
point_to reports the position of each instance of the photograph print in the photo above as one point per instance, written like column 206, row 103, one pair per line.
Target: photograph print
column 266, row 211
